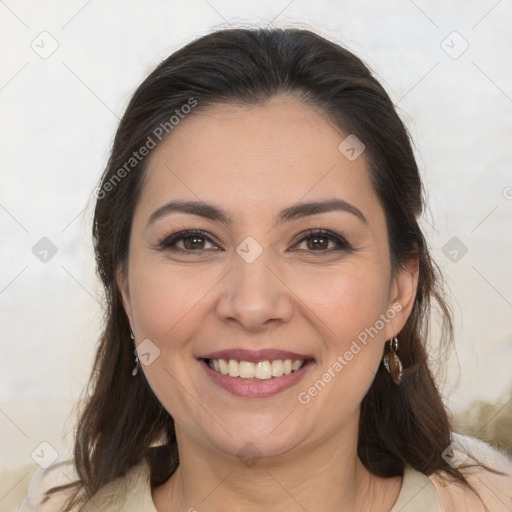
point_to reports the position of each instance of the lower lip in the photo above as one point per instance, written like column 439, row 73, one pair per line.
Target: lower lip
column 256, row 388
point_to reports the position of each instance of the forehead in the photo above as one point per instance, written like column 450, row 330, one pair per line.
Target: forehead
column 256, row 157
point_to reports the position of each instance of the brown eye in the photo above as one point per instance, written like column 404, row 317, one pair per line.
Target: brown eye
column 319, row 240
column 192, row 241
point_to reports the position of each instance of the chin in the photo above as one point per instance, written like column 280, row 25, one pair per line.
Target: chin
column 257, row 440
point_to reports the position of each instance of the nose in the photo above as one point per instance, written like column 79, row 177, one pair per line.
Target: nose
column 254, row 295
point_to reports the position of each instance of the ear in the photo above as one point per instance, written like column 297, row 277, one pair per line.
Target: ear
column 404, row 285
column 122, row 284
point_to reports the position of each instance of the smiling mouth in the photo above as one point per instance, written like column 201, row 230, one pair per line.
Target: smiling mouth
column 260, row 370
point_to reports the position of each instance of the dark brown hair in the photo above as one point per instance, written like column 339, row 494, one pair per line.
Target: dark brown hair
column 122, row 421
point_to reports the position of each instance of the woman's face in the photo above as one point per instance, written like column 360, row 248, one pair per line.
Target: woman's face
column 259, row 285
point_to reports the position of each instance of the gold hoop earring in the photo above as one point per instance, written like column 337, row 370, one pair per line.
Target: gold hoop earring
column 392, row 362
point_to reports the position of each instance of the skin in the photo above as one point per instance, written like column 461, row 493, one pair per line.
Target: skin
column 256, row 161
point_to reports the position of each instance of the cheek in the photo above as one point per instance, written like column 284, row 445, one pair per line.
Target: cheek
column 347, row 302
column 168, row 307
column 340, row 303
column 350, row 323
column 165, row 299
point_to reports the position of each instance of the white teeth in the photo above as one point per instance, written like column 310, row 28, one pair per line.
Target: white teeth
column 234, row 368
column 223, row 365
column 277, row 368
column 246, row 370
column 296, row 365
column 262, row 370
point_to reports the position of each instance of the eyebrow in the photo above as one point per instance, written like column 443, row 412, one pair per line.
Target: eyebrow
column 212, row 212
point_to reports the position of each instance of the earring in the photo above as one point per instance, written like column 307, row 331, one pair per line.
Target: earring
column 392, row 362
column 137, row 364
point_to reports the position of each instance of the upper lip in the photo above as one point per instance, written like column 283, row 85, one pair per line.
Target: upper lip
column 253, row 356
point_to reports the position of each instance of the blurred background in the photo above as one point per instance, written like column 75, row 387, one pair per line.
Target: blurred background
column 68, row 70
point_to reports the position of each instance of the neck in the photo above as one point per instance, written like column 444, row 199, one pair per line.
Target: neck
column 328, row 477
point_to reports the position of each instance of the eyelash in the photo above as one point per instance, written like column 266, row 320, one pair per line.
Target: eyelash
column 169, row 241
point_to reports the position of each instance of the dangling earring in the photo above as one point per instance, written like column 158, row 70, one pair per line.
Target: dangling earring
column 137, row 364
column 392, row 362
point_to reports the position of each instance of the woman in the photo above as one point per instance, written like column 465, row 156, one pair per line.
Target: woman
column 256, row 231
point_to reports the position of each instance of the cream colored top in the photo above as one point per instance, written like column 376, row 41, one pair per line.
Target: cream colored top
column 417, row 494
column 132, row 493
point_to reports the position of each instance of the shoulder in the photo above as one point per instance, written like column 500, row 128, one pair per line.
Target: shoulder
column 494, row 490
column 61, row 473
column 123, row 493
